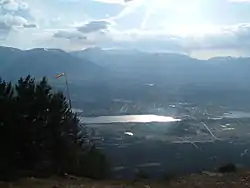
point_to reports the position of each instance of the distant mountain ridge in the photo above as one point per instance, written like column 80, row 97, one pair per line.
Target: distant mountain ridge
column 172, row 69
column 44, row 62
column 129, row 67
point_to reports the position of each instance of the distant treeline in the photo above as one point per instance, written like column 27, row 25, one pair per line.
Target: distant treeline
column 41, row 137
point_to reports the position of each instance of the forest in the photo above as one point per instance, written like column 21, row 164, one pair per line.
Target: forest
column 40, row 136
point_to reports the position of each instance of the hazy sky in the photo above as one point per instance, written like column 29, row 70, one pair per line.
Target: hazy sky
column 200, row 28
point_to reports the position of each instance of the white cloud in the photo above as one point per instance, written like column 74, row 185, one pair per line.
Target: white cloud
column 235, row 37
column 152, row 25
column 122, row 2
column 130, row 8
column 12, row 24
column 94, row 26
column 240, row 1
column 232, row 38
column 4, row 30
column 13, row 21
column 8, row 23
column 30, row 25
column 70, row 34
column 13, row 5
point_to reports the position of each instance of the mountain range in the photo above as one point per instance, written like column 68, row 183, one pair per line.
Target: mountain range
column 172, row 69
column 44, row 62
column 127, row 66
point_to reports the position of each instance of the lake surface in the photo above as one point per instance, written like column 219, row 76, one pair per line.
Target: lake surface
column 128, row 119
column 237, row 114
column 149, row 118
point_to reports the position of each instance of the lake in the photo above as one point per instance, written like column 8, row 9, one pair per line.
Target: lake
column 128, row 119
column 149, row 118
column 236, row 115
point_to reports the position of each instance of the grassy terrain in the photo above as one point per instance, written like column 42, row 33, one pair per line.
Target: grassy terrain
column 205, row 180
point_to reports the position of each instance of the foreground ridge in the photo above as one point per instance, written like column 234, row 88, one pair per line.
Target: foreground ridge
column 203, row 180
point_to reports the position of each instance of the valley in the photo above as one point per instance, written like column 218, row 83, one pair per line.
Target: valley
column 187, row 114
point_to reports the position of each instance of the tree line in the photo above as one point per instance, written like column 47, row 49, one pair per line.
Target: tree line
column 40, row 135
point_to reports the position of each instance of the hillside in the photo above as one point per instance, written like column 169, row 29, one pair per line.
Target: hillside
column 205, row 180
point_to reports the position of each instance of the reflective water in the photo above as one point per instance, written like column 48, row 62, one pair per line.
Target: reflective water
column 237, row 114
column 148, row 118
column 128, row 119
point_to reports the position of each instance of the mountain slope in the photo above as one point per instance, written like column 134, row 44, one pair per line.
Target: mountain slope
column 128, row 67
column 43, row 62
column 172, row 69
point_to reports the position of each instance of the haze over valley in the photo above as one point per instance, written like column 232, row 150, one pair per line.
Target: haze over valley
column 198, row 105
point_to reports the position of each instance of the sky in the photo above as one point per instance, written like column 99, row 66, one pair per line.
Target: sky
column 199, row 28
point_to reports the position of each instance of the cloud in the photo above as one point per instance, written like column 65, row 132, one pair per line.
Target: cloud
column 130, row 8
column 70, row 35
column 235, row 37
column 10, row 5
column 13, row 21
column 30, row 25
column 18, row 9
column 148, row 25
column 4, row 30
column 145, row 40
column 94, row 26
column 240, row 1
column 14, row 15
column 122, row 2
column 7, row 23
column 4, row 26
column 13, row 5
column 229, row 38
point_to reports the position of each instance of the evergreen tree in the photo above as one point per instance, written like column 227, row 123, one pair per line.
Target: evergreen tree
column 8, row 131
column 40, row 135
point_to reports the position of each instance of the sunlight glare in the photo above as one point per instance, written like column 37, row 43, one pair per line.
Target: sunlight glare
column 182, row 17
column 153, row 118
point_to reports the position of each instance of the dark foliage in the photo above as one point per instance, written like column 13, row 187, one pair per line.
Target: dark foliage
column 141, row 175
column 228, row 168
column 40, row 136
column 168, row 177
